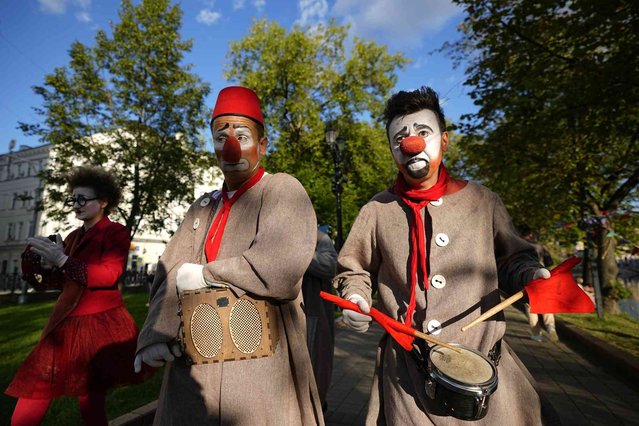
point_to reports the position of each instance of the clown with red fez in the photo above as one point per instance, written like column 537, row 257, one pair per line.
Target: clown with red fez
column 438, row 250
column 256, row 237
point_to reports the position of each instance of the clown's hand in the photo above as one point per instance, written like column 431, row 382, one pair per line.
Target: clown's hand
column 541, row 273
column 50, row 252
column 189, row 277
column 156, row 355
column 355, row 320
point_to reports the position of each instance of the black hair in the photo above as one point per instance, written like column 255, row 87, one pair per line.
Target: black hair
column 403, row 103
column 102, row 182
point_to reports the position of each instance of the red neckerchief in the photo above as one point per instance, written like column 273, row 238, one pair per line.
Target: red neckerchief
column 214, row 237
column 416, row 199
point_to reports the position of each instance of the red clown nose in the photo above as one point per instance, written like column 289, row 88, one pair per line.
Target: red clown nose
column 231, row 152
column 412, row 145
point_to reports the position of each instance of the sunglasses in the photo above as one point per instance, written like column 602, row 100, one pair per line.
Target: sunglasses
column 80, row 199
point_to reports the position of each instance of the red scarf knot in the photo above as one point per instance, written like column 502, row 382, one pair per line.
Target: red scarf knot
column 417, row 199
column 214, row 237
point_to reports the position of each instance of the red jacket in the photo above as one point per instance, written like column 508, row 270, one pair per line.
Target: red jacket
column 104, row 249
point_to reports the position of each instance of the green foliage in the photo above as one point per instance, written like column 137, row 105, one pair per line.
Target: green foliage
column 128, row 104
column 306, row 78
column 557, row 85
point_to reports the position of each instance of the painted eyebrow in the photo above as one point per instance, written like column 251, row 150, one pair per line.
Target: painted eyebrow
column 238, row 126
column 403, row 131
column 417, row 126
column 226, row 126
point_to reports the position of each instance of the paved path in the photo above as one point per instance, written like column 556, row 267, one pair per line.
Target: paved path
column 582, row 393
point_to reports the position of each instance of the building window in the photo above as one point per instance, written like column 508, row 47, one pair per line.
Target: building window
column 19, row 231
column 14, row 201
column 10, row 232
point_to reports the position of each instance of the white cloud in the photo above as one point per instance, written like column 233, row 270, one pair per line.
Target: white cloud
column 208, row 17
column 59, row 7
column 238, row 4
column 83, row 17
column 259, row 4
column 312, row 11
column 402, row 22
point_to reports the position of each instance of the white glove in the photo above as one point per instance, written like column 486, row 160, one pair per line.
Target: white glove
column 541, row 273
column 355, row 320
column 156, row 355
column 190, row 277
column 50, row 252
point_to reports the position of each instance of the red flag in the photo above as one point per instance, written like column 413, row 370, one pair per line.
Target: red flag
column 395, row 328
column 559, row 293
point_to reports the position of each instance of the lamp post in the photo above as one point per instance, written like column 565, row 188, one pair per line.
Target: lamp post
column 336, row 145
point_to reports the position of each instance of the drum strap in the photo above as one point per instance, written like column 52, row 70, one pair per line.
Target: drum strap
column 495, row 353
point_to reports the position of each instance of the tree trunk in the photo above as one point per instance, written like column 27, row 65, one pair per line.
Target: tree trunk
column 607, row 268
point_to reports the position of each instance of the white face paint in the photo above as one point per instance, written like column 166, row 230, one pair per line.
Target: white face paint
column 252, row 148
column 423, row 124
column 93, row 210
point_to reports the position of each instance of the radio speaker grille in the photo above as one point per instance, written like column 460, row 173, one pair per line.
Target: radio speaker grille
column 206, row 330
column 245, row 326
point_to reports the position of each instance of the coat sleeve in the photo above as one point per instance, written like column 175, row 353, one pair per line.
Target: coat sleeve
column 516, row 258
column 105, row 271
column 282, row 249
column 162, row 322
column 358, row 260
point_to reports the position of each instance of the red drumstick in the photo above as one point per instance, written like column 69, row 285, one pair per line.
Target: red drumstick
column 402, row 333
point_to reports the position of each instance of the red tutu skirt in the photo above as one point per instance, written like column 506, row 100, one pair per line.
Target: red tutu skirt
column 83, row 354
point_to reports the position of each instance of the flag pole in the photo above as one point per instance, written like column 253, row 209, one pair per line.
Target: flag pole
column 492, row 311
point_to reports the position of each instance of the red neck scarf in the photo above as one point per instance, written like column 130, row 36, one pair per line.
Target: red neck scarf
column 214, row 237
column 416, row 199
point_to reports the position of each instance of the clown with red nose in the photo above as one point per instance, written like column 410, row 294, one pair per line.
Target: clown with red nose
column 438, row 251
column 249, row 241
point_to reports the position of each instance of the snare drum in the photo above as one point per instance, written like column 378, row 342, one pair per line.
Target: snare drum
column 461, row 383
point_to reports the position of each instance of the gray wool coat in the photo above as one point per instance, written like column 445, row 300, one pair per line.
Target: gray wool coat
column 267, row 245
column 483, row 255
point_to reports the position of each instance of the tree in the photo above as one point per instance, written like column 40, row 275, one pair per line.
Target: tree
column 557, row 85
column 305, row 79
column 129, row 105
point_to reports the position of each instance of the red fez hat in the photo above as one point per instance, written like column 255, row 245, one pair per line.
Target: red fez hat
column 237, row 100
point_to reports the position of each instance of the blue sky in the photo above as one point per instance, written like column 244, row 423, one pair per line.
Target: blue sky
column 35, row 36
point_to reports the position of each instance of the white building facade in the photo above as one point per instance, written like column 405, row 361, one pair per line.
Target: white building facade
column 22, row 195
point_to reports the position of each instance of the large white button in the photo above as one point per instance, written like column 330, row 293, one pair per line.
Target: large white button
column 434, row 327
column 205, row 202
column 437, row 203
column 441, row 239
column 438, row 281
column 196, row 223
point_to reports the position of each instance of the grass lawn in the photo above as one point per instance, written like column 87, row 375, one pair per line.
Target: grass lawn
column 21, row 326
column 620, row 330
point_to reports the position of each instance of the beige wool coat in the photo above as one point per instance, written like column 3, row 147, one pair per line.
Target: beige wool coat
column 267, row 245
column 481, row 256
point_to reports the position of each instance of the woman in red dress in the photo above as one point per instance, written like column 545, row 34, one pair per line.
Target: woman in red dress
column 88, row 345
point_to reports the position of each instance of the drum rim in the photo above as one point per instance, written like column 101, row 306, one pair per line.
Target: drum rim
column 476, row 389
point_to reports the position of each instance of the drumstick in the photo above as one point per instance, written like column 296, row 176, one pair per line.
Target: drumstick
column 492, row 311
column 385, row 320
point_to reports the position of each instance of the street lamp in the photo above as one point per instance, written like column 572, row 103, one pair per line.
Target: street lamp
column 336, row 145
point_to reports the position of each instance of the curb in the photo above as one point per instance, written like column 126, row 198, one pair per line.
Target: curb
column 142, row 416
column 622, row 362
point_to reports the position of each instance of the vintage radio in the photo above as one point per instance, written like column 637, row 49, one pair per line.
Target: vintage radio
column 217, row 326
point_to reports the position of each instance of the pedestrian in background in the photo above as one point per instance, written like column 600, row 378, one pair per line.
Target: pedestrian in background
column 320, row 314
column 548, row 320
